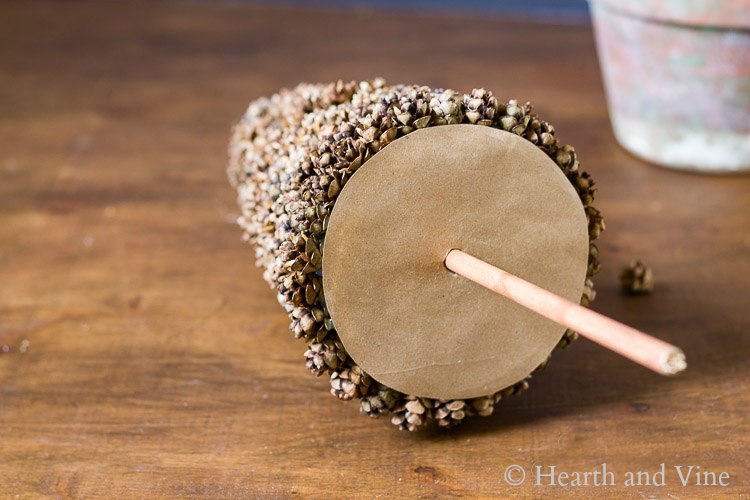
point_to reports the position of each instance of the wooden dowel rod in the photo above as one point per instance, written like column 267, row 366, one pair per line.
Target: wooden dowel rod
column 635, row 345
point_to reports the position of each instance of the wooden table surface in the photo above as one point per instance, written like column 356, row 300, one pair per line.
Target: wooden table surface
column 143, row 355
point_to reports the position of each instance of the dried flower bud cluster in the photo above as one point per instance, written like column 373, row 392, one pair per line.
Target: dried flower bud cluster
column 290, row 157
column 636, row 278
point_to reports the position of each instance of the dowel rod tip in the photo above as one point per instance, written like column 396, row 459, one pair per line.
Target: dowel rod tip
column 674, row 362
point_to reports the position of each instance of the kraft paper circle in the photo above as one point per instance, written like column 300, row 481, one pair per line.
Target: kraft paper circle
column 402, row 316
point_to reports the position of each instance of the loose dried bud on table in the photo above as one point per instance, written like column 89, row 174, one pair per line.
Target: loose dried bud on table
column 637, row 279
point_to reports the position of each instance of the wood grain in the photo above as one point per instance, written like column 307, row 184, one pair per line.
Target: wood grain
column 145, row 355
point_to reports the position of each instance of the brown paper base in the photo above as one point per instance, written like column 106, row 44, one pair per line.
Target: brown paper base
column 402, row 316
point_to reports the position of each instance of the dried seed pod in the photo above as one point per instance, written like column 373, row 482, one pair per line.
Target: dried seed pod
column 325, row 356
column 596, row 222
column 636, row 278
column 589, row 294
column 568, row 337
column 350, row 383
column 483, row 406
column 405, row 418
column 380, row 399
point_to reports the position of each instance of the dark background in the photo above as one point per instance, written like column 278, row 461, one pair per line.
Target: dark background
column 543, row 10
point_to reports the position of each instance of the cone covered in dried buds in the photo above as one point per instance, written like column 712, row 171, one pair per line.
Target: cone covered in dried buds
column 290, row 157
